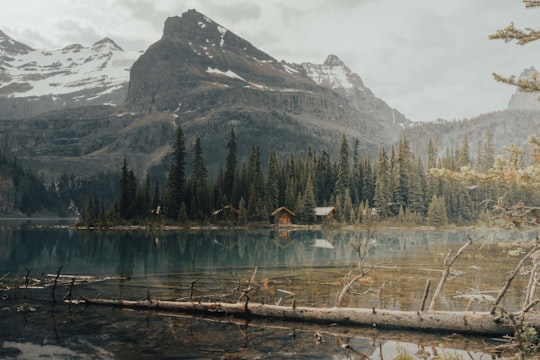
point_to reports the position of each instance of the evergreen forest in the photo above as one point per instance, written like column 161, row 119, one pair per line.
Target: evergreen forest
column 397, row 188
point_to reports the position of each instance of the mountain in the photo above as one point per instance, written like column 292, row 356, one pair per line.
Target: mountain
column 200, row 76
column 511, row 126
column 37, row 81
column 210, row 80
column 334, row 74
column 525, row 100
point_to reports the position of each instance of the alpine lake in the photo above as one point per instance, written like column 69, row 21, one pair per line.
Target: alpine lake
column 209, row 264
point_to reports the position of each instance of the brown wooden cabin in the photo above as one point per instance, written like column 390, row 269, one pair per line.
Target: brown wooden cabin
column 323, row 213
column 283, row 216
column 228, row 212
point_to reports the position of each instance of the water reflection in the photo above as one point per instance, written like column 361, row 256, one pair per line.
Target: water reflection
column 316, row 260
column 310, row 264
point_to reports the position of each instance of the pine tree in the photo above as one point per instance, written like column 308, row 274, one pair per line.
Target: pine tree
column 144, row 201
column 201, row 202
column 357, row 175
column 291, row 194
column 343, row 175
column 90, row 215
column 464, row 157
column 128, row 192
column 324, row 181
column 348, row 210
column 229, row 178
column 309, row 203
column 177, row 179
column 404, row 170
column 242, row 214
column 272, row 183
column 416, row 189
column 436, row 214
column 182, row 213
column 156, row 201
column 382, row 195
column 433, row 183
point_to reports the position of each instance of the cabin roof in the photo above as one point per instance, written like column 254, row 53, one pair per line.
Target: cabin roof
column 324, row 211
column 281, row 209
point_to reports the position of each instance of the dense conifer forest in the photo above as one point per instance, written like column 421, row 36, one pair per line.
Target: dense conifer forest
column 396, row 187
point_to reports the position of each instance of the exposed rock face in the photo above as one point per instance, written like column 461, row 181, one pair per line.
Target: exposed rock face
column 196, row 55
column 209, row 77
column 36, row 81
column 205, row 78
column 525, row 100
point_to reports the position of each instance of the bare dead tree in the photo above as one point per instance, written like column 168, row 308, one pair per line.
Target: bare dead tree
column 448, row 261
column 55, row 283
column 504, row 289
column 361, row 247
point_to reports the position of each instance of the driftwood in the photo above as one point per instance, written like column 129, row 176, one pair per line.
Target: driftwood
column 465, row 322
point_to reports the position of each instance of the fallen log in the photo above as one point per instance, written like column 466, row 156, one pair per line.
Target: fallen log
column 464, row 322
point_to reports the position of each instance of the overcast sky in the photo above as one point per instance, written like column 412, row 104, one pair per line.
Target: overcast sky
column 427, row 58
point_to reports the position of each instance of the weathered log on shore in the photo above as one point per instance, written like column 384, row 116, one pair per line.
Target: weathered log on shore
column 464, row 322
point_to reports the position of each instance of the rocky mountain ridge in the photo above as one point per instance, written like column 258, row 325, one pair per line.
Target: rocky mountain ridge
column 210, row 80
column 36, row 81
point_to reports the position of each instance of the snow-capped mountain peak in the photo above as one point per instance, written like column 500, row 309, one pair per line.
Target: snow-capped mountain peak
column 106, row 44
column 334, row 74
column 74, row 68
column 72, row 76
column 333, row 61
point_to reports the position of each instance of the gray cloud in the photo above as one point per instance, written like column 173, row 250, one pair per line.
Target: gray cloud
column 234, row 12
column 84, row 33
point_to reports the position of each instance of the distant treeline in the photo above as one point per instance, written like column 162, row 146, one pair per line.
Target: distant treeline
column 395, row 187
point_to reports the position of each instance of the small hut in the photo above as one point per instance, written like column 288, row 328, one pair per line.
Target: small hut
column 283, row 216
column 323, row 213
column 228, row 212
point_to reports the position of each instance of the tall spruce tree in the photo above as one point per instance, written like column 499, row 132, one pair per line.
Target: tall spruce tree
column 272, row 183
column 177, row 179
column 382, row 195
column 309, row 203
column 229, row 179
column 128, row 192
column 343, row 172
column 199, row 184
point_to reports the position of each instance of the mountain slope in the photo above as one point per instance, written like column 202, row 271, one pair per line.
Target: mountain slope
column 205, row 78
column 210, row 78
column 507, row 127
column 36, row 81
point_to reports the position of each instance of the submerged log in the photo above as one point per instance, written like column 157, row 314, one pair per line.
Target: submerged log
column 465, row 322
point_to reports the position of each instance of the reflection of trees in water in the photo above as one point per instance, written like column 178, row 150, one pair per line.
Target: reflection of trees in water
column 132, row 253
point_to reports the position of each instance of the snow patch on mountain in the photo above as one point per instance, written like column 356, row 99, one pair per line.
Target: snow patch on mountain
column 25, row 72
column 227, row 73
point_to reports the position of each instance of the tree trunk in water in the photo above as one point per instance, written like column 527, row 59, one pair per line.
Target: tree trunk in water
column 464, row 322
